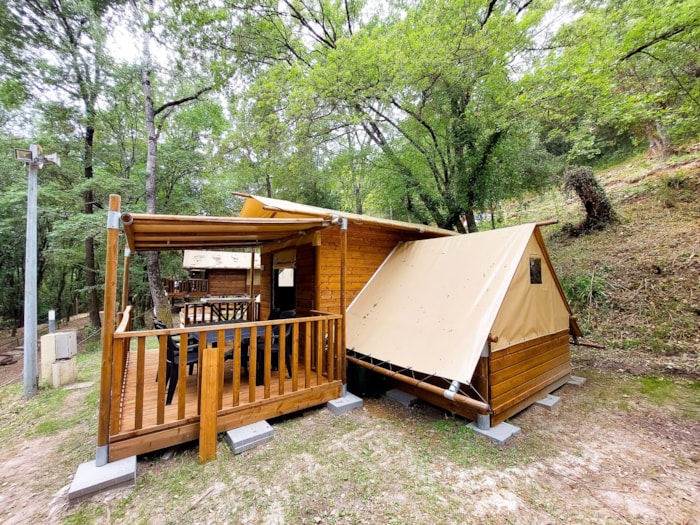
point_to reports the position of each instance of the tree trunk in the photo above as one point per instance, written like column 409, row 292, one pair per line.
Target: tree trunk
column 659, row 143
column 160, row 301
column 599, row 211
column 89, row 199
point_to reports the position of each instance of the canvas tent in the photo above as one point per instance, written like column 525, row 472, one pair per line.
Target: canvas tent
column 452, row 308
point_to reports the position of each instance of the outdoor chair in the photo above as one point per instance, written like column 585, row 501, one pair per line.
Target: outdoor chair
column 275, row 347
column 172, row 361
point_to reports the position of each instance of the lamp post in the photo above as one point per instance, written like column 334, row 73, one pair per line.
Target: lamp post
column 34, row 159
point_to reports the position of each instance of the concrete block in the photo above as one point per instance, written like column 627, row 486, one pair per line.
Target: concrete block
column 55, row 347
column 344, row 404
column 402, row 397
column 500, row 434
column 90, row 479
column 548, row 402
column 250, row 436
column 64, row 372
column 576, row 381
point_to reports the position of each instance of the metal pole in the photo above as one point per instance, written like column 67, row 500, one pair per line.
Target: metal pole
column 30, row 262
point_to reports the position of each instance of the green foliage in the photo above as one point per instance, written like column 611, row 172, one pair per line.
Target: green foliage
column 585, row 290
column 620, row 74
column 418, row 111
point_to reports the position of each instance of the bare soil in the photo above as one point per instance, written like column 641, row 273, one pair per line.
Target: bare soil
column 624, row 448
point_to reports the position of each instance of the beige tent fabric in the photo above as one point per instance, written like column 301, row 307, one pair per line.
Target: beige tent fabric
column 432, row 304
column 530, row 310
column 256, row 206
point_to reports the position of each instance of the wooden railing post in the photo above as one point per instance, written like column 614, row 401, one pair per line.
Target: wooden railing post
column 209, row 395
column 110, row 306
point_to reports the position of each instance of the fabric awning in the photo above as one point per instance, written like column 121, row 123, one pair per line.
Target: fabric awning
column 256, row 206
column 148, row 232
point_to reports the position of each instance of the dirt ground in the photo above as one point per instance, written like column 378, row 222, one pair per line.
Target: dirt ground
column 604, row 454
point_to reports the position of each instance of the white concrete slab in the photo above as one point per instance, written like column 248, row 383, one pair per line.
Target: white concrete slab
column 344, row 404
column 90, row 479
column 500, row 434
column 576, row 381
column 548, row 402
column 401, row 397
column 250, row 436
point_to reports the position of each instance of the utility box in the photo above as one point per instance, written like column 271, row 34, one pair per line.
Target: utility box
column 58, row 358
column 66, row 345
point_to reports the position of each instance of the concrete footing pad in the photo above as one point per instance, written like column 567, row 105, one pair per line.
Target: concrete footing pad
column 548, row 402
column 250, row 436
column 401, row 397
column 344, row 404
column 576, row 381
column 90, row 479
column 500, row 434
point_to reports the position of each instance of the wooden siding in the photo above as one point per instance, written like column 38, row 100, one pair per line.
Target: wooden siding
column 523, row 373
column 227, row 283
column 368, row 247
column 265, row 284
column 304, row 276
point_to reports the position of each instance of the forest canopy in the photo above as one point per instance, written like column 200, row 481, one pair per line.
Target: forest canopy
column 429, row 111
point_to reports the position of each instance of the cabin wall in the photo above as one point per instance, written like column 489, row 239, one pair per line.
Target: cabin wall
column 523, row 373
column 227, row 283
column 368, row 247
column 265, row 284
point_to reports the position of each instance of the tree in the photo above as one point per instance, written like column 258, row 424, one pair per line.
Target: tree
column 434, row 113
column 61, row 46
column 156, row 116
column 599, row 211
column 621, row 71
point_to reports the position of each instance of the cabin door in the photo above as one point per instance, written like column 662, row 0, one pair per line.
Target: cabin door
column 283, row 280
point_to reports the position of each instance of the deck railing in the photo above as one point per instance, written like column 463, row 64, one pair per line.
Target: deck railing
column 214, row 310
column 210, row 400
column 181, row 287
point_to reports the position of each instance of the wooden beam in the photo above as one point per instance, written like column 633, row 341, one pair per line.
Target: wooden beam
column 125, row 278
column 110, row 299
column 458, row 399
column 209, row 405
column 251, row 294
column 343, row 295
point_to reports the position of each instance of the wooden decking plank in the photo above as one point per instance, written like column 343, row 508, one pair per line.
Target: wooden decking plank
column 150, row 407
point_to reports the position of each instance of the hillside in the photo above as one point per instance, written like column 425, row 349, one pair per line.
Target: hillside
column 635, row 287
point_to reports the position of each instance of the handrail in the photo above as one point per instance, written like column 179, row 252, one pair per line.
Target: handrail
column 314, row 359
column 198, row 328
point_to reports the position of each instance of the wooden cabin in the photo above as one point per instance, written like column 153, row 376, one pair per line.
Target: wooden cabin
column 216, row 273
column 313, row 262
column 477, row 324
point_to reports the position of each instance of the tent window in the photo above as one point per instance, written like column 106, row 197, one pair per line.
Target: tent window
column 535, row 270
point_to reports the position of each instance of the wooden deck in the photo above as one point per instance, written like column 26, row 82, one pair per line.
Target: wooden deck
column 150, row 395
column 217, row 396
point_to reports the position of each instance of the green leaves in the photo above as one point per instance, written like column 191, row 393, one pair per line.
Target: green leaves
column 624, row 67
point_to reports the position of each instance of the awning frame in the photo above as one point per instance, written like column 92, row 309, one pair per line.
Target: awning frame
column 152, row 232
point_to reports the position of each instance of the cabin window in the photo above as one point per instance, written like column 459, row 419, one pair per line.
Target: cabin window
column 535, row 270
column 285, row 278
